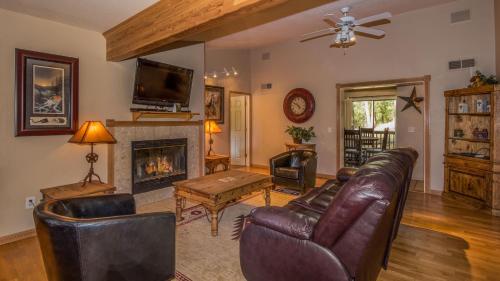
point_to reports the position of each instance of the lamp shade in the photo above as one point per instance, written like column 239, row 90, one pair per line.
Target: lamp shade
column 92, row 132
column 211, row 127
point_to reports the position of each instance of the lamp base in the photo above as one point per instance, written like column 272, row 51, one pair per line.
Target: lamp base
column 88, row 177
column 91, row 158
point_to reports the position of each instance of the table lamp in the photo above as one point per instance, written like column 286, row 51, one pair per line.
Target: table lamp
column 211, row 128
column 92, row 132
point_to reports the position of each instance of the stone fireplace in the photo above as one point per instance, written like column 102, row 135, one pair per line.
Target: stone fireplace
column 158, row 163
column 161, row 164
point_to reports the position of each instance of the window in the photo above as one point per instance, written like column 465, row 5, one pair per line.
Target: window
column 374, row 113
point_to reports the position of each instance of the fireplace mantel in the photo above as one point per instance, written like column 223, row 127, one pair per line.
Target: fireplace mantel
column 120, row 155
column 114, row 123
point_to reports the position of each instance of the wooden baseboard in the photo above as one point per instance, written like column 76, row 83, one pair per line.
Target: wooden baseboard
column 435, row 192
column 17, row 236
column 326, row 176
column 259, row 166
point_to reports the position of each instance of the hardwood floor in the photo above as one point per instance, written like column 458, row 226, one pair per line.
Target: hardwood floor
column 439, row 239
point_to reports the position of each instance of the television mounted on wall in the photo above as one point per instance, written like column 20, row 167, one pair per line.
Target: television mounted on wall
column 162, row 84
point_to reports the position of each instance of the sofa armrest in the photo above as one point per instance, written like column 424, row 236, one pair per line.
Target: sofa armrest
column 280, row 160
column 344, row 174
column 262, row 247
column 144, row 243
column 285, row 221
column 93, row 206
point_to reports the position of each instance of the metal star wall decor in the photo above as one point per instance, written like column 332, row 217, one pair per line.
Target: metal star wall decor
column 412, row 101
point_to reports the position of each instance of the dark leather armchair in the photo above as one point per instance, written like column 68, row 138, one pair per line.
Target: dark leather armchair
column 101, row 238
column 295, row 169
column 342, row 231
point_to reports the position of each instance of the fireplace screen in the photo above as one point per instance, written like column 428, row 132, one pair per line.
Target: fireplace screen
column 158, row 163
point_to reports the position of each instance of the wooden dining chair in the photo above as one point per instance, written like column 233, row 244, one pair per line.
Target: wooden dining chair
column 352, row 148
column 369, row 152
column 368, row 133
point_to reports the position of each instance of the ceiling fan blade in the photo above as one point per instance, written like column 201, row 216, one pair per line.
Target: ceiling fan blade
column 330, row 30
column 379, row 17
column 330, row 22
column 370, row 32
column 316, row 37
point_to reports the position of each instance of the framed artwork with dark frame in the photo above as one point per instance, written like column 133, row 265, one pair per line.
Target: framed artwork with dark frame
column 214, row 104
column 47, row 94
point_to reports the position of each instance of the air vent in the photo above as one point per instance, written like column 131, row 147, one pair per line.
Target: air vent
column 266, row 56
column 468, row 63
column 460, row 16
column 458, row 64
column 266, row 86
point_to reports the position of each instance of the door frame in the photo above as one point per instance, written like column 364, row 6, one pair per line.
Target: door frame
column 248, row 139
column 397, row 82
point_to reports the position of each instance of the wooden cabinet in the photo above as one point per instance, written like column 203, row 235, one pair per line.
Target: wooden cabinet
column 472, row 162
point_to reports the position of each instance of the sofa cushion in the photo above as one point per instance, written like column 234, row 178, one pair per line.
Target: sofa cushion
column 318, row 199
column 285, row 172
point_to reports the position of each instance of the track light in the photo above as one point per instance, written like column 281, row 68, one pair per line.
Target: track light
column 224, row 73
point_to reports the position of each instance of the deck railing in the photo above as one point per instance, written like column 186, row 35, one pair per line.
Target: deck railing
column 391, row 138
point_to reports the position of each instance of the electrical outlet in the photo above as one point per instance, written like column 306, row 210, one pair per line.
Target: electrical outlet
column 30, row 202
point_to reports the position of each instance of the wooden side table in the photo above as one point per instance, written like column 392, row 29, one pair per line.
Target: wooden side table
column 300, row 146
column 76, row 190
column 213, row 161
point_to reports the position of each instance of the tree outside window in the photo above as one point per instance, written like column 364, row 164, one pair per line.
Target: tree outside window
column 377, row 114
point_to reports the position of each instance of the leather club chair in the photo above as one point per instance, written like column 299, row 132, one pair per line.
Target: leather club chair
column 342, row 231
column 102, row 238
column 295, row 169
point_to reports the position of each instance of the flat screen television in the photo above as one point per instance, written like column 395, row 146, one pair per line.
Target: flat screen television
column 161, row 84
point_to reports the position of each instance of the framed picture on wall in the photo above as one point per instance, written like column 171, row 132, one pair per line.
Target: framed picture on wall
column 47, row 94
column 214, row 104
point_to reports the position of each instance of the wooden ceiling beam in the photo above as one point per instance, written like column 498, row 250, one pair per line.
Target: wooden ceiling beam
column 170, row 24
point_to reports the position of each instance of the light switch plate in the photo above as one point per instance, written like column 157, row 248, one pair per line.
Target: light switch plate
column 411, row 130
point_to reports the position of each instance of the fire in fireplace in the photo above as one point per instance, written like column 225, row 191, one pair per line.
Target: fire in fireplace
column 158, row 163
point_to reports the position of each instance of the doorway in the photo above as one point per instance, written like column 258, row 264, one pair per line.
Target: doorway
column 410, row 127
column 240, row 128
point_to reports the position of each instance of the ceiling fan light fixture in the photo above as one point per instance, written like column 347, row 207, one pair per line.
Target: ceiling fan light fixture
column 338, row 38
column 352, row 37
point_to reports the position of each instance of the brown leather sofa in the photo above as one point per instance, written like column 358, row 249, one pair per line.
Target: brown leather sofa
column 102, row 238
column 341, row 231
column 295, row 169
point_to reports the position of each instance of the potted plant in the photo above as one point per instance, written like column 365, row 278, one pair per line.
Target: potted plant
column 300, row 134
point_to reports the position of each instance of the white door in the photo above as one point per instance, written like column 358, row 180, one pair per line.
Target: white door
column 238, row 130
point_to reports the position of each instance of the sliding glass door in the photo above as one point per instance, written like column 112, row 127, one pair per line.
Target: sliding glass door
column 374, row 113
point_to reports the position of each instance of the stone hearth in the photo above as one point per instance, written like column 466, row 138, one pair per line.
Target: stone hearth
column 120, row 154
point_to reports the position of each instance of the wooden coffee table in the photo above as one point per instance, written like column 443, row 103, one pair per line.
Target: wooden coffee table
column 216, row 191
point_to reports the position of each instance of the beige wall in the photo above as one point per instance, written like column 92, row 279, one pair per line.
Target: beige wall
column 30, row 163
column 216, row 60
column 417, row 43
column 497, row 35
column 410, row 128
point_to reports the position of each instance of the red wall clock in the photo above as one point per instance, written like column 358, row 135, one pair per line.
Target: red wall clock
column 298, row 105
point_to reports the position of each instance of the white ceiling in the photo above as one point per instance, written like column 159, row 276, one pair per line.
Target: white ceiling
column 100, row 15
column 296, row 25
column 97, row 15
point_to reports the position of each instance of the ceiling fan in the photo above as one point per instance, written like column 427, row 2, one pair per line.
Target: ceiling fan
column 347, row 27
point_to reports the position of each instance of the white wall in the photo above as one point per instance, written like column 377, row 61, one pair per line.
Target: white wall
column 28, row 164
column 216, row 60
column 417, row 43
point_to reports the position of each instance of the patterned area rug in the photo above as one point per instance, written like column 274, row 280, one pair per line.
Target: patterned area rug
column 201, row 257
